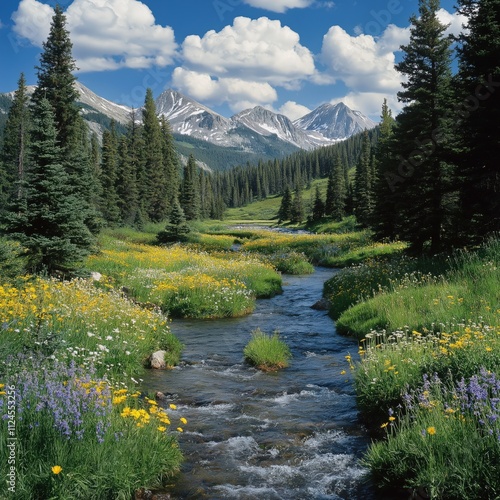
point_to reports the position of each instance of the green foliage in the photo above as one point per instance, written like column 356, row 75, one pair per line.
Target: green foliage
column 190, row 193
column 267, row 352
column 423, row 300
column 477, row 125
column 291, row 263
column 12, row 264
column 177, row 228
column 49, row 220
column 81, row 438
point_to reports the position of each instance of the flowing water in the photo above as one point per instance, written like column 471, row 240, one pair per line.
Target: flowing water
column 291, row 435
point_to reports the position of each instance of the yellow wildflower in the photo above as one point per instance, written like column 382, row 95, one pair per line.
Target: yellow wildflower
column 56, row 469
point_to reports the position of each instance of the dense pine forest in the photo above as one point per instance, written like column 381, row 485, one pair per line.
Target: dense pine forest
column 428, row 177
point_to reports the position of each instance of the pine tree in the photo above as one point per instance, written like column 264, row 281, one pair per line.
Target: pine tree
column 336, row 191
column 126, row 185
column 135, row 146
column 318, row 210
column 477, row 116
column 285, row 210
column 154, row 166
column 56, row 80
column 50, row 225
column 56, row 83
column 383, row 220
column 363, row 184
column 421, row 176
column 172, row 169
column 297, row 209
column 109, row 176
column 15, row 146
column 190, row 196
column 177, row 227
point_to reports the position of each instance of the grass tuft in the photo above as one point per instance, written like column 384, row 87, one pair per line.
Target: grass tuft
column 267, row 352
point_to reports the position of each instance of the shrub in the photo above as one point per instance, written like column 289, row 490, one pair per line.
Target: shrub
column 267, row 352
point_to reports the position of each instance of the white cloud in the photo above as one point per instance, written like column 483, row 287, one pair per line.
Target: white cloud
column 361, row 62
column 239, row 94
column 369, row 103
column 293, row 110
column 254, row 50
column 106, row 34
column 279, row 5
column 32, row 21
column 243, row 63
column 455, row 20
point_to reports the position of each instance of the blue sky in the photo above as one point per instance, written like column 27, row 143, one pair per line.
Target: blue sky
column 287, row 55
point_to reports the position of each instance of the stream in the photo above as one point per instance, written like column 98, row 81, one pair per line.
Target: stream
column 291, row 435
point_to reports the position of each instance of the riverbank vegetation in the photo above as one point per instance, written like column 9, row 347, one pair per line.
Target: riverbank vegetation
column 426, row 379
column 267, row 352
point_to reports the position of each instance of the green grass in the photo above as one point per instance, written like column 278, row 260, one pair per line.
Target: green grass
column 470, row 290
column 267, row 352
column 428, row 381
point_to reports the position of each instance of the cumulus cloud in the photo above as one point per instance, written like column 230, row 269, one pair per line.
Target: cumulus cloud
column 106, row 34
column 243, row 63
column 455, row 20
column 279, row 5
column 255, row 50
column 239, row 94
column 363, row 62
column 293, row 110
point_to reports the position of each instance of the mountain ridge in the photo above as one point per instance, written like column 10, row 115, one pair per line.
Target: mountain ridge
column 256, row 132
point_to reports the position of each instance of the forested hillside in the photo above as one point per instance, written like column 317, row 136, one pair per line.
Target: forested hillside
column 429, row 177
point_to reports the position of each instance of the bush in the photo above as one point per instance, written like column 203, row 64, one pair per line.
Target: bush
column 267, row 352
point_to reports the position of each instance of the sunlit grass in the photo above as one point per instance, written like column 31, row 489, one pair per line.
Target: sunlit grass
column 185, row 281
column 267, row 352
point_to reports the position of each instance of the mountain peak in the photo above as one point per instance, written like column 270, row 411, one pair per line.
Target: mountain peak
column 335, row 121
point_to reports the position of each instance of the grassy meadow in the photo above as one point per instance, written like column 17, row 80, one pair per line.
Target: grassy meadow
column 426, row 379
column 425, row 373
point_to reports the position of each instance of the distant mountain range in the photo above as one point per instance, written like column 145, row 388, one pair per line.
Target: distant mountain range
column 221, row 142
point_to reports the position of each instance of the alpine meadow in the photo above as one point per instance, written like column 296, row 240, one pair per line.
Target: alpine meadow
column 147, row 247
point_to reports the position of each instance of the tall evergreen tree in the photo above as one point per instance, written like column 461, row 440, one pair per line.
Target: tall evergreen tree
column 51, row 225
column 297, row 209
column 285, row 210
column 421, row 175
column 56, row 82
column 109, row 176
column 383, row 220
column 336, row 191
column 126, row 185
column 171, row 164
column 15, row 146
column 363, row 184
column 154, row 165
column 318, row 210
column 190, row 196
column 479, row 118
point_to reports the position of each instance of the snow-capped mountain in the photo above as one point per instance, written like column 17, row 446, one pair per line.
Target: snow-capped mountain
column 258, row 131
column 335, row 122
column 117, row 112
column 188, row 117
column 321, row 127
column 266, row 123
